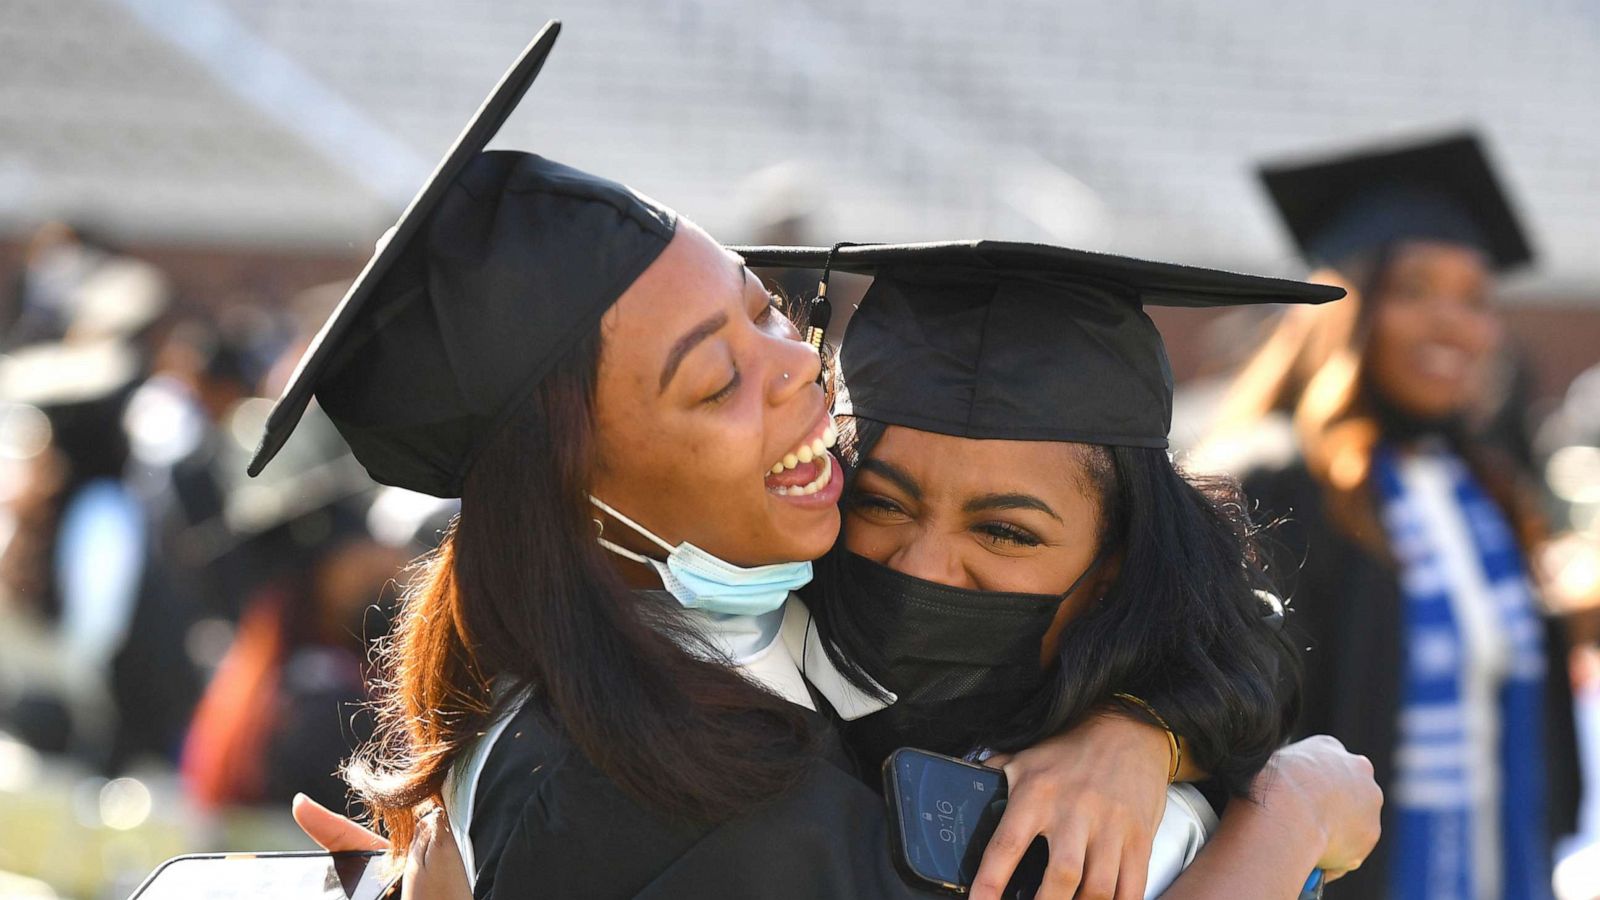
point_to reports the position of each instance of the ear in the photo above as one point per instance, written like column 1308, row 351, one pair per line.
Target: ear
column 1088, row 595
column 1099, row 582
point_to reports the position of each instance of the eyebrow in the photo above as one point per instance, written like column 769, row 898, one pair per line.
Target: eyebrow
column 700, row 332
column 1009, row 501
column 895, row 474
column 689, row 341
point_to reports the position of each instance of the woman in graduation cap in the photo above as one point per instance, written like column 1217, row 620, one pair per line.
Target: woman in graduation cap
column 596, row 673
column 1429, row 652
column 1019, row 552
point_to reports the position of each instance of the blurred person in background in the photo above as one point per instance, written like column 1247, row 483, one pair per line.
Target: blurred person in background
column 180, row 465
column 77, row 563
column 1405, row 537
column 282, row 712
column 59, row 257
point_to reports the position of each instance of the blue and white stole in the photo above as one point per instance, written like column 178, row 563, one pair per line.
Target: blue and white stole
column 1432, row 843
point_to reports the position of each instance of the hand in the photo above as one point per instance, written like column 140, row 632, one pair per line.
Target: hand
column 1097, row 794
column 333, row 832
column 1314, row 806
column 434, row 870
column 1318, row 781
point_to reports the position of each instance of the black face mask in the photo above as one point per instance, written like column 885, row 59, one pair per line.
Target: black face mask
column 962, row 662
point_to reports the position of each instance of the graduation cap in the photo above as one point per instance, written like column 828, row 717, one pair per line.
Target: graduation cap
column 71, row 395
column 1442, row 189
column 1011, row 341
column 498, row 266
column 119, row 299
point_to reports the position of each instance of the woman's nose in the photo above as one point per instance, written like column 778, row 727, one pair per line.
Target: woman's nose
column 930, row 559
column 795, row 367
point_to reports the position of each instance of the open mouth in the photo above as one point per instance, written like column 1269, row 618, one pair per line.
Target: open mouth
column 808, row 468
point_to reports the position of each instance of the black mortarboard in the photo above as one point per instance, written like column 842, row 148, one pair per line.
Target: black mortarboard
column 993, row 340
column 1442, row 189
column 494, row 271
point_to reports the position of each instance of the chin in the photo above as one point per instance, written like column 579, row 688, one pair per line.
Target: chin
column 810, row 537
column 1433, row 408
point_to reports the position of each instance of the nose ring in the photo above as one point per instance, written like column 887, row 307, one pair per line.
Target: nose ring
column 786, row 376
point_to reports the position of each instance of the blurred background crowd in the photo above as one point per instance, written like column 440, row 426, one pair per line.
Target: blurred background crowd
column 186, row 187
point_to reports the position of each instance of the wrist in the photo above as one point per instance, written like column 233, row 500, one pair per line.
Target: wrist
column 1141, row 709
column 1149, row 741
column 1284, row 806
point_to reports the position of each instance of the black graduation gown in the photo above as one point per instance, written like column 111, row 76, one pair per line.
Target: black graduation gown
column 1346, row 608
column 546, row 823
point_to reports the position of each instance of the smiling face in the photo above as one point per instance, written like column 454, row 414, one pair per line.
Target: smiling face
column 1432, row 329
column 1003, row 516
column 704, row 389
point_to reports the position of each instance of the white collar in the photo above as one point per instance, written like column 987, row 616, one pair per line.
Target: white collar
column 783, row 662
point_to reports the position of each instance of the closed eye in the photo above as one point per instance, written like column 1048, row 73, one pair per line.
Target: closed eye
column 875, row 506
column 1008, row 534
column 727, row 390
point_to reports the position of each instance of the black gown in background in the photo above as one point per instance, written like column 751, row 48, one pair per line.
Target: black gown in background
column 546, row 823
column 1346, row 607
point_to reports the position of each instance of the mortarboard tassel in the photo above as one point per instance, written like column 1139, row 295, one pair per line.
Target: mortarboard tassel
column 821, row 311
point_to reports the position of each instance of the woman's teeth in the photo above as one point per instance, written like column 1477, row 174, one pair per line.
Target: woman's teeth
column 817, row 449
column 816, row 484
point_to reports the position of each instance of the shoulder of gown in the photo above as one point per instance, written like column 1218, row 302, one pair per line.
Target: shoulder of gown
column 547, row 823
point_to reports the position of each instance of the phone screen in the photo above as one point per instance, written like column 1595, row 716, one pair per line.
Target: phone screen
column 947, row 814
column 257, row 876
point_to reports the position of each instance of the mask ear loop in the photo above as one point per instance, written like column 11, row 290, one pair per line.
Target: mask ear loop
column 1099, row 557
column 617, row 548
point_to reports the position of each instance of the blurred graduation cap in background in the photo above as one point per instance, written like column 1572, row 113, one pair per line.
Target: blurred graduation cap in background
column 1443, row 189
column 121, row 298
column 70, row 396
column 1015, row 341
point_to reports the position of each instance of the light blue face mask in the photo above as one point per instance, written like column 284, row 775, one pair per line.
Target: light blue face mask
column 700, row 580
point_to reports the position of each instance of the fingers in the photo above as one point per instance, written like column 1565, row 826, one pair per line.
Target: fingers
column 332, row 831
column 1011, row 840
column 434, row 870
column 1101, row 873
column 1135, row 871
column 998, row 760
column 1065, row 871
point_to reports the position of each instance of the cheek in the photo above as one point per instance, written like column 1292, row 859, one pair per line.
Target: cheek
column 726, row 449
column 865, row 538
column 1395, row 327
column 1484, row 333
column 1046, row 573
column 1395, row 332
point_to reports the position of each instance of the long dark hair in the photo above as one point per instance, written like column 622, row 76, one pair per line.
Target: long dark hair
column 1181, row 626
column 519, row 597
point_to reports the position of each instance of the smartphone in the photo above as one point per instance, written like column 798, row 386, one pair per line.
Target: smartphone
column 312, row 875
column 942, row 812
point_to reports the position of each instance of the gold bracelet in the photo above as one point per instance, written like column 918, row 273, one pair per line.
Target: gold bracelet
column 1173, row 745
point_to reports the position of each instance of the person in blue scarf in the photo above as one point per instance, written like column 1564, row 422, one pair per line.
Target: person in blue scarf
column 1405, row 535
